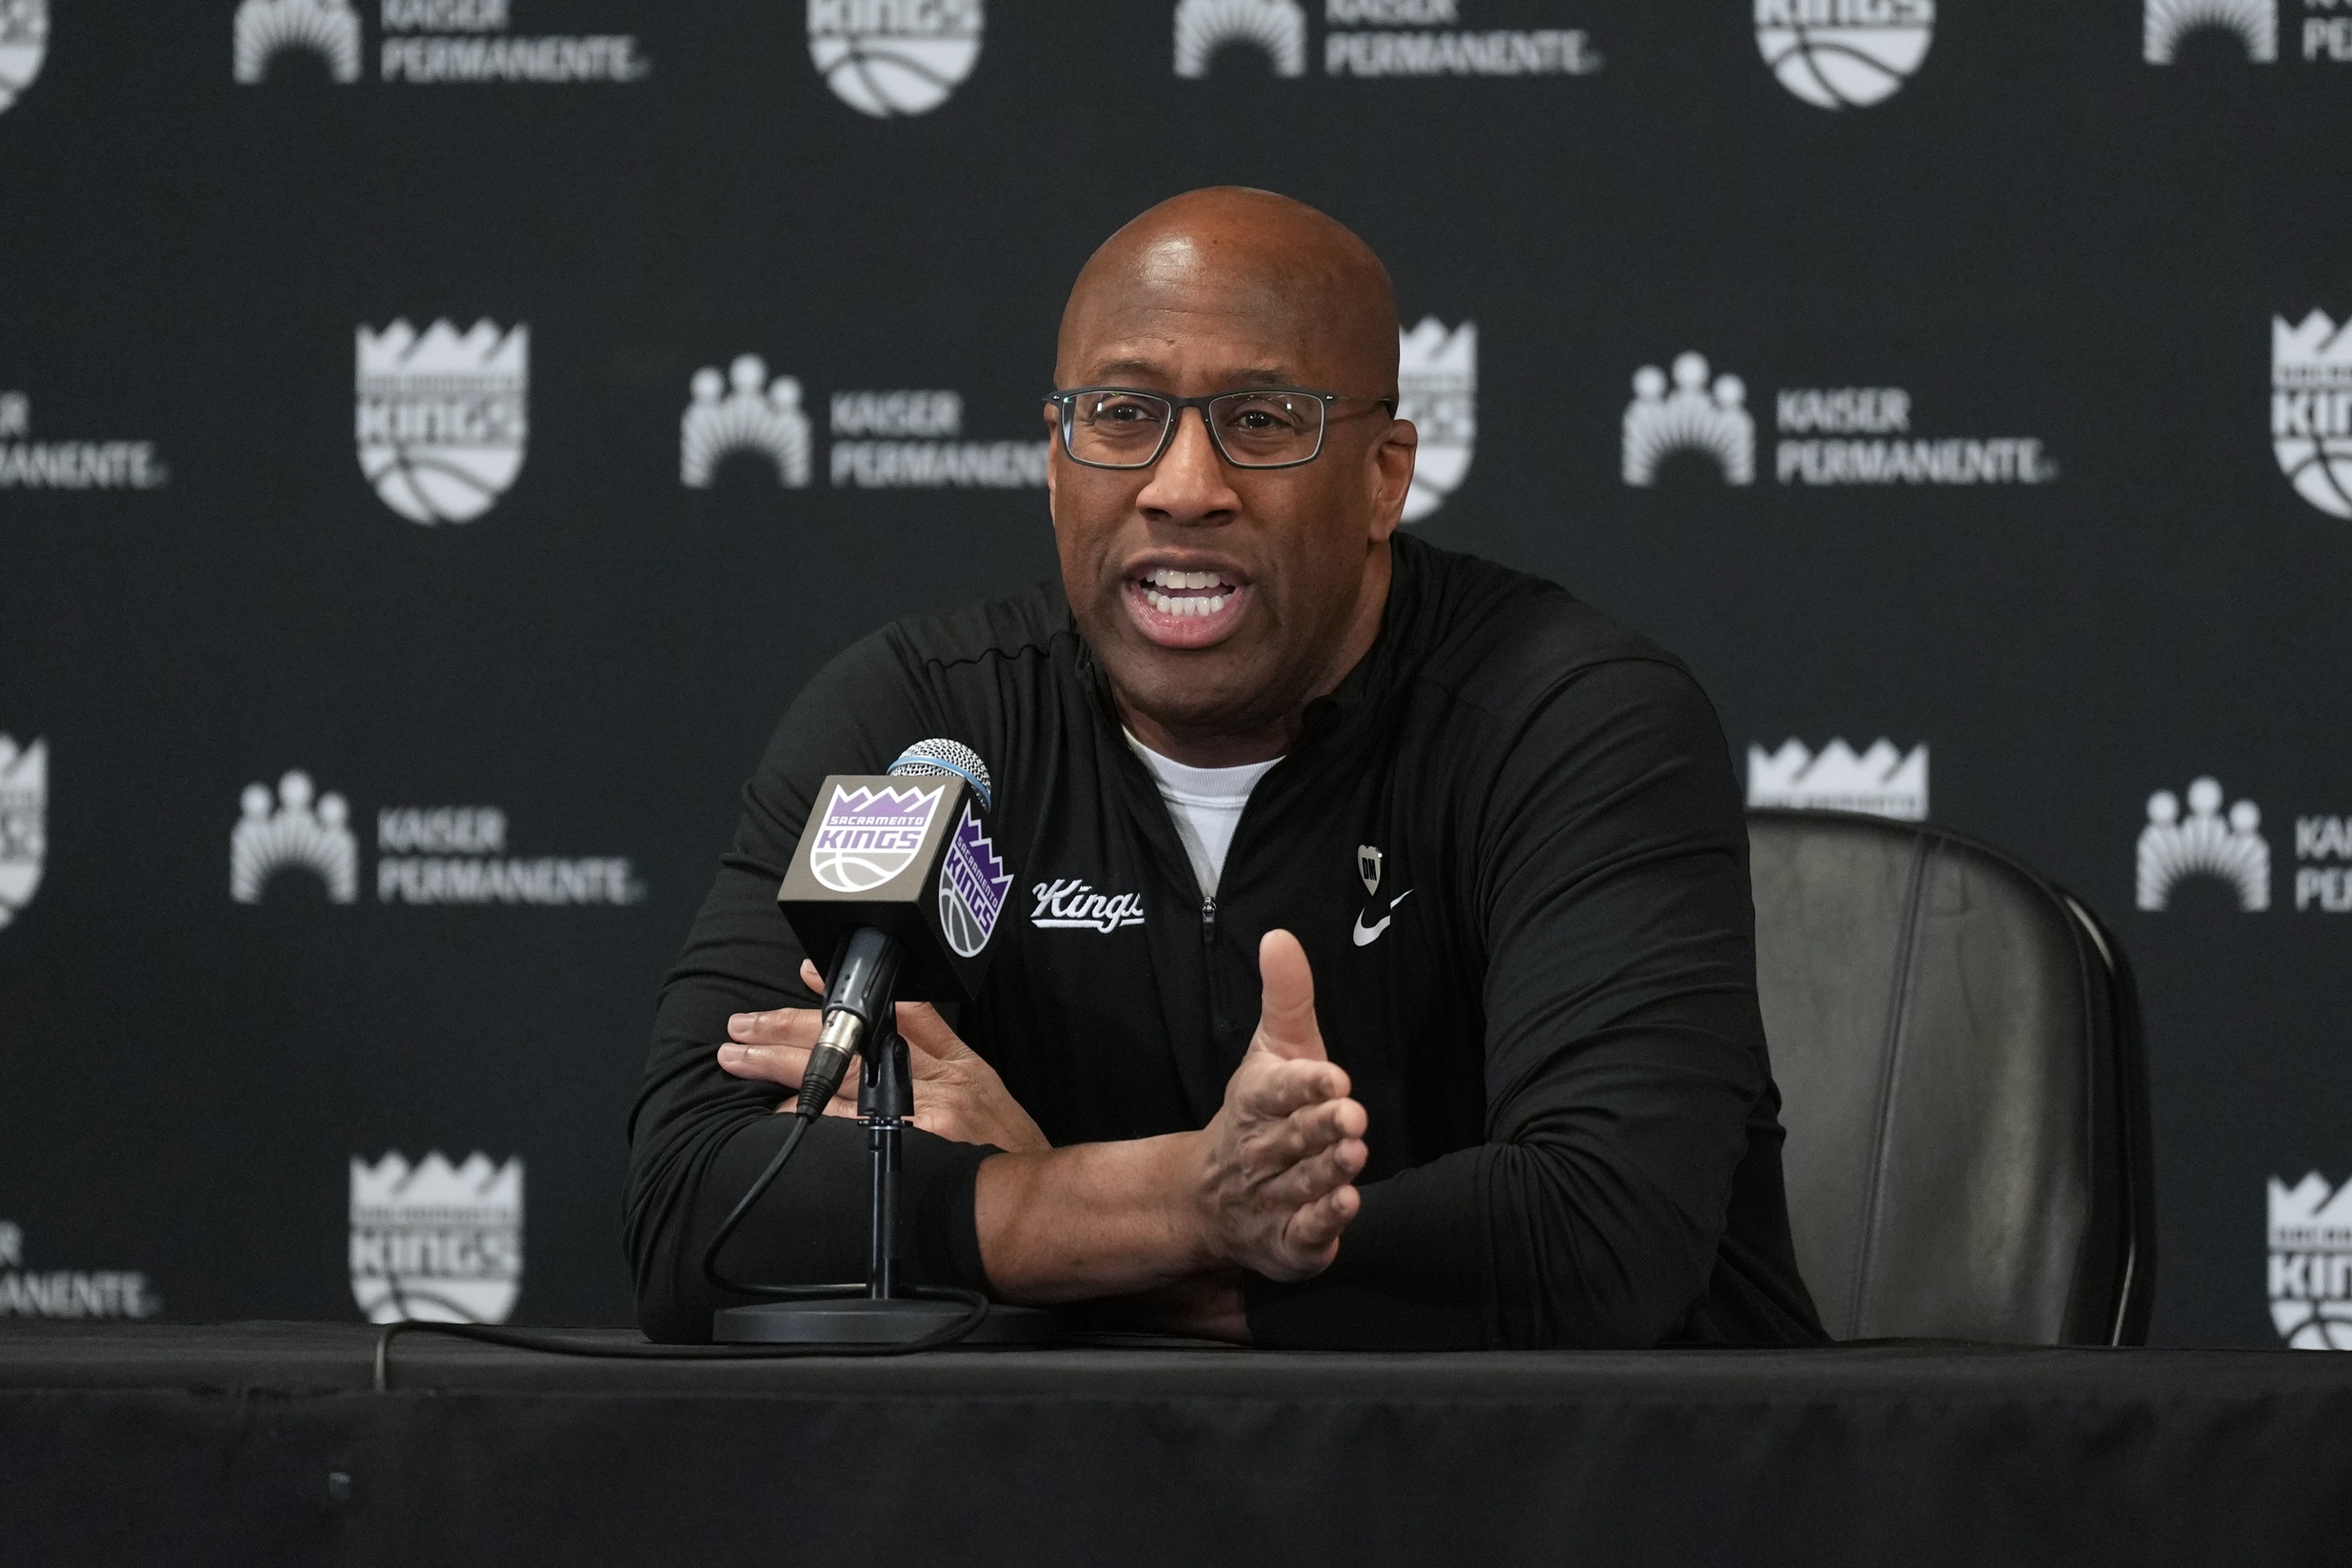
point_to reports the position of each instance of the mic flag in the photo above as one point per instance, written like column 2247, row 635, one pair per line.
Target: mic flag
column 910, row 857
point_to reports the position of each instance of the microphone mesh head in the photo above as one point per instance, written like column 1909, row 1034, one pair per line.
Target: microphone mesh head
column 938, row 756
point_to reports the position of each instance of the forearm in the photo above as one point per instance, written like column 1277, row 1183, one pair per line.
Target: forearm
column 1093, row 1220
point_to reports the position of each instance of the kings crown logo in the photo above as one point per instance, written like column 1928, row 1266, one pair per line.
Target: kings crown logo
column 435, row 1242
column 742, row 411
column 442, row 418
column 2204, row 843
column 1694, row 416
column 1843, row 53
column 24, row 44
column 885, row 57
column 299, row 831
column 1882, row 780
column 327, row 29
column 1437, row 389
column 2311, row 408
column 972, row 884
column 24, row 814
column 1277, row 28
column 2253, row 23
column 2311, row 1264
column 869, row 836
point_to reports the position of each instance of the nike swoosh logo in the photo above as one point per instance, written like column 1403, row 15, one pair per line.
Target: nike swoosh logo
column 1366, row 936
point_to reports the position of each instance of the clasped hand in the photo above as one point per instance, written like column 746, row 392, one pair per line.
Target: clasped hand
column 1268, row 1186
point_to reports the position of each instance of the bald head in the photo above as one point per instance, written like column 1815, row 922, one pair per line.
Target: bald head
column 1247, row 264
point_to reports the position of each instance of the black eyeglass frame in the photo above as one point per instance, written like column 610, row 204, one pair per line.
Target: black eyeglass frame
column 1068, row 403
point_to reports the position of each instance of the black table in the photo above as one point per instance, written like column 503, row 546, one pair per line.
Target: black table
column 264, row 1443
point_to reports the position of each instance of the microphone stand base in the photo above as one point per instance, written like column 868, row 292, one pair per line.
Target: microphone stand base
column 863, row 1321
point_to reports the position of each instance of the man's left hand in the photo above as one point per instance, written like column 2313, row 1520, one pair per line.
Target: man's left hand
column 958, row 1095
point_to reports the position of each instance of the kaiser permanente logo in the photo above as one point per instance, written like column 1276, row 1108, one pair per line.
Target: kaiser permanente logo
column 892, row 57
column 1883, row 781
column 1373, row 38
column 1845, row 54
column 2197, row 838
column 906, row 438
column 2175, row 847
column 435, row 1242
column 1829, row 435
column 425, row 855
column 2246, row 27
column 70, row 464
column 2311, row 408
column 442, row 420
column 424, row 41
column 65, row 1292
column 24, row 44
column 1437, row 389
column 2311, row 1264
column 745, row 412
column 912, row 440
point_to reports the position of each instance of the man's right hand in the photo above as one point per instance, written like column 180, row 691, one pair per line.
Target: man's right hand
column 1268, row 1186
column 1280, row 1157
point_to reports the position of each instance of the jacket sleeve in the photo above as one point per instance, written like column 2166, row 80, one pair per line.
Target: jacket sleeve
column 698, row 1137
column 1624, row 1055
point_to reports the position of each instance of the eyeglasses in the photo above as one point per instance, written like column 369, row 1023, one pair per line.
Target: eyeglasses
column 1126, row 427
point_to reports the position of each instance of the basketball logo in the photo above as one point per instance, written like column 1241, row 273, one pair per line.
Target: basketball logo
column 1843, row 53
column 869, row 836
column 1437, row 389
column 24, row 44
column 972, row 883
column 441, row 417
column 885, row 57
column 2311, row 1262
column 2311, row 408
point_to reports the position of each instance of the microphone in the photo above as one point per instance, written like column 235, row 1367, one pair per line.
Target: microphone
column 897, row 879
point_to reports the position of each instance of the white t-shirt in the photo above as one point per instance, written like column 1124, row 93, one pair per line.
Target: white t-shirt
column 1207, row 803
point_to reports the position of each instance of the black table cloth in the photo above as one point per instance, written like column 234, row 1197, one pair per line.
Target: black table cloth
column 269, row 1442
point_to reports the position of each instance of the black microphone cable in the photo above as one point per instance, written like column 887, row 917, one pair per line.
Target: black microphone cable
column 975, row 1303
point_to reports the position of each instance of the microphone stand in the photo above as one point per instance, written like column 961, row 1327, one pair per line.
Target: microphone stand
column 886, row 1314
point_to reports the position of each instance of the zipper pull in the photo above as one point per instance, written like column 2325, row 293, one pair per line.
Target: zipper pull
column 1209, row 921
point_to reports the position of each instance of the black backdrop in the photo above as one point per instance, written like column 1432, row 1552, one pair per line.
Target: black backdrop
column 2037, row 233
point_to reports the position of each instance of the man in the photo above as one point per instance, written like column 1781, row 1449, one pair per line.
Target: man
column 1391, row 978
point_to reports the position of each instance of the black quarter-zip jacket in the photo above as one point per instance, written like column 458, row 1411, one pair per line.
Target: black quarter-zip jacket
column 1545, row 1001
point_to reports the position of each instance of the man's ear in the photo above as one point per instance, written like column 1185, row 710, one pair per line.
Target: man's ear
column 1392, row 468
column 1053, row 454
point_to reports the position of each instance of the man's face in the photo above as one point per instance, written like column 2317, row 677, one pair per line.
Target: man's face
column 1216, row 597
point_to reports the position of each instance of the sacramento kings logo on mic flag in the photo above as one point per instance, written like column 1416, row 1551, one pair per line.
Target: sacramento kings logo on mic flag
column 972, row 883
column 869, row 836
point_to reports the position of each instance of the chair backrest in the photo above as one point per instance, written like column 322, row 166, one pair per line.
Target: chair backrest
column 1957, row 1046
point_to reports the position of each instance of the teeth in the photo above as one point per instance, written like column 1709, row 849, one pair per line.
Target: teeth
column 1167, row 578
column 1166, row 605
